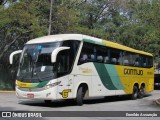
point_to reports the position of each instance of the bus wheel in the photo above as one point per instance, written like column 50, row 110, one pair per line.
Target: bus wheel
column 135, row 93
column 80, row 96
column 48, row 102
column 141, row 92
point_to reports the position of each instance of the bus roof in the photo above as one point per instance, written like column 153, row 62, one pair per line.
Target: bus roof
column 80, row 37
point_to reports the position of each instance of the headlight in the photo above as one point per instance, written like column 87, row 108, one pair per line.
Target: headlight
column 52, row 85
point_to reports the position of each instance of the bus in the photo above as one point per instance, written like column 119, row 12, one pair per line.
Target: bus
column 76, row 66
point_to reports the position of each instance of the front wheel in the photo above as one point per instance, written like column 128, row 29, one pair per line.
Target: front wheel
column 135, row 93
column 80, row 96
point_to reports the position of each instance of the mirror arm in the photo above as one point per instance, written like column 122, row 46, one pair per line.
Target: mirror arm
column 12, row 54
column 56, row 51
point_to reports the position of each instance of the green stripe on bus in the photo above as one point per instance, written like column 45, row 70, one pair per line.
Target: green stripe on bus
column 34, row 84
column 104, row 76
column 111, row 70
column 89, row 41
column 42, row 84
column 94, row 42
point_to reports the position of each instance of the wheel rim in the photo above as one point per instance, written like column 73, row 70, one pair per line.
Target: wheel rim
column 135, row 94
column 142, row 91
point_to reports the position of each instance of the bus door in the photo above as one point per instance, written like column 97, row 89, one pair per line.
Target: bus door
column 63, row 70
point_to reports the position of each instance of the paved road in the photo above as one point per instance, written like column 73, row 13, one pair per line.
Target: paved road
column 9, row 102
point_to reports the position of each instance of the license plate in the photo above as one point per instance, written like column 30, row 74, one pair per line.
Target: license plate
column 30, row 95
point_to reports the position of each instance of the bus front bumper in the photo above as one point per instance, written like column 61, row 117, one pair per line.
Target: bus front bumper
column 36, row 93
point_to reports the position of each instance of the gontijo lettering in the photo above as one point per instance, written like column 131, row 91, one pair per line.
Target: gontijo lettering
column 133, row 72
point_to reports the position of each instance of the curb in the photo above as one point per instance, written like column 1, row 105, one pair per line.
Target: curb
column 7, row 91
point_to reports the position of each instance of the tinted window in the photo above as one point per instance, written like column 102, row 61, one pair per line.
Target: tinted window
column 64, row 62
column 127, row 58
column 116, row 56
column 150, row 62
column 65, row 58
column 87, row 53
column 93, row 53
column 102, row 54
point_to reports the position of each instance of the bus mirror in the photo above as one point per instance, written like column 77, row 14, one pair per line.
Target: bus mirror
column 56, row 51
column 12, row 54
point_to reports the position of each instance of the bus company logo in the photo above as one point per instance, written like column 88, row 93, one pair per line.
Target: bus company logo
column 65, row 93
column 133, row 72
column 85, row 70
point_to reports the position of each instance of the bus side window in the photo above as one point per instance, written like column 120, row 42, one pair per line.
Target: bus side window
column 63, row 63
column 86, row 52
column 125, row 62
column 99, row 59
column 113, row 60
column 144, row 62
column 136, row 63
column 150, row 62
column 127, row 58
column 102, row 53
column 84, row 58
column 106, row 59
column 92, row 57
column 116, row 56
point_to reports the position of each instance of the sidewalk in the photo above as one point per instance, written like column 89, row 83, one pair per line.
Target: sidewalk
column 5, row 91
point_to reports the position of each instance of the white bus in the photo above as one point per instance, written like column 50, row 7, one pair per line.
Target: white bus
column 75, row 66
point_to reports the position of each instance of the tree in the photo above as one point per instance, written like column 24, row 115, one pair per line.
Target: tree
column 19, row 23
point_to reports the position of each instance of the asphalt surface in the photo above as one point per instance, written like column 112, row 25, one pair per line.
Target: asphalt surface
column 9, row 102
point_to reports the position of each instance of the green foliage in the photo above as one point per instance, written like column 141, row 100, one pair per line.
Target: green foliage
column 5, row 86
column 132, row 23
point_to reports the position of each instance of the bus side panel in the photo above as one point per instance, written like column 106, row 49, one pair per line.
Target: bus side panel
column 109, row 79
column 150, row 76
column 82, row 74
column 99, row 81
column 135, row 75
column 104, row 79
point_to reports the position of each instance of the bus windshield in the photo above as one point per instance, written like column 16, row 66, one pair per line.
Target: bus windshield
column 35, row 62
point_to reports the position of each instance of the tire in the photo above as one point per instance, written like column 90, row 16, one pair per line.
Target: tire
column 80, row 96
column 48, row 102
column 135, row 93
column 141, row 92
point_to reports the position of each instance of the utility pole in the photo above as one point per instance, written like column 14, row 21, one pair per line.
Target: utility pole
column 50, row 17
